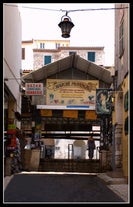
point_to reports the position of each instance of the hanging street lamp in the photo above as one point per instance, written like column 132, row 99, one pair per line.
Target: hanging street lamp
column 66, row 25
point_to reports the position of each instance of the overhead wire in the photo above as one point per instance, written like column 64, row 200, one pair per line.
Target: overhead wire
column 68, row 11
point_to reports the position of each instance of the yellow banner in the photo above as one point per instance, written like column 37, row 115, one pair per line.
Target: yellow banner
column 91, row 115
column 71, row 92
column 45, row 112
column 70, row 113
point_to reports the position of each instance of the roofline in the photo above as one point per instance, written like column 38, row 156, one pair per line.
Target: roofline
column 27, row 41
column 34, row 40
column 73, row 61
column 67, row 48
column 81, row 48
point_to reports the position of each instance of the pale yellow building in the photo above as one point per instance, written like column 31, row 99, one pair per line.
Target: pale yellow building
column 121, row 89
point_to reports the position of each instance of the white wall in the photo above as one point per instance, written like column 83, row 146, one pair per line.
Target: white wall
column 27, row 63
column 12, row 49
column 61, row 150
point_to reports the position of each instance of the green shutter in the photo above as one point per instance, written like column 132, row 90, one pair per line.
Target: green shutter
column 126, row 101
column 91, row 56
column 47, row 59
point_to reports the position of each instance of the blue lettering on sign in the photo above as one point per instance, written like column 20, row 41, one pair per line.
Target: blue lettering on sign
column 71, row 106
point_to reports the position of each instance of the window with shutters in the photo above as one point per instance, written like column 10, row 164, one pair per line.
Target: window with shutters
column 42, row 45
column 47, row 59
column 121, row 38
column 91, row 56
column 23, row 53
column 72, row 52
column 57, row 45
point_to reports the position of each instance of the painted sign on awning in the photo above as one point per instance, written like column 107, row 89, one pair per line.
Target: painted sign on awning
column 71, row 92
column 34, row 89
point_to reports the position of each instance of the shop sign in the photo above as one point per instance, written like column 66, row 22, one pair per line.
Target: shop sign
column 103, row 101
column 33, row 89
column 69, row 93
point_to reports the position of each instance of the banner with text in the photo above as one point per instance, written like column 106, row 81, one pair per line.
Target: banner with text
column 71, row 92
column 34, row 89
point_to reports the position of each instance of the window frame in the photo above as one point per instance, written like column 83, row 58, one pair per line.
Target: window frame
column 94, row 54
column 42, row 45
column 45, row 63
column 23, row 53
column 121, row 38
column 72, row 52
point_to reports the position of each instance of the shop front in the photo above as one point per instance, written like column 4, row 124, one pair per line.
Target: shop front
column 63, row 107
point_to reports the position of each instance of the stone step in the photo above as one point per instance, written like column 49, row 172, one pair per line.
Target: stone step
column 70, row 165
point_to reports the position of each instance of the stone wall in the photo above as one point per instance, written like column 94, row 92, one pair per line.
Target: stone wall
column 38, row 57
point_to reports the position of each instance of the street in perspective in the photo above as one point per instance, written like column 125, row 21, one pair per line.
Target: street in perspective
column 66, row 103
column 61, row 187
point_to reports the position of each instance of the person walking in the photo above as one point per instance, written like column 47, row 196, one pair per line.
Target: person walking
column 91, row 147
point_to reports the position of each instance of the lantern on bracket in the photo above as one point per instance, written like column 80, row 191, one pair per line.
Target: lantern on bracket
column 66, row 25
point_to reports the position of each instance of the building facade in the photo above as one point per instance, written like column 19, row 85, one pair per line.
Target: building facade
column 121, row 88
column 37, row 53
column 65, row 109
column 28, row 47
column 12, row 64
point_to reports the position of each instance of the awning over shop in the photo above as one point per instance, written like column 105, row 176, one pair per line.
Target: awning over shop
column 72, row 61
